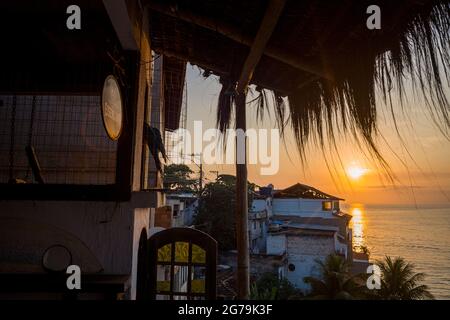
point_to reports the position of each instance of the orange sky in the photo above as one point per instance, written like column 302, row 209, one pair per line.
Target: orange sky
column 421, row 165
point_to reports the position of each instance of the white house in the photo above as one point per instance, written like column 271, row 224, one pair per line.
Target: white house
column 184, row 206
column 303, row 223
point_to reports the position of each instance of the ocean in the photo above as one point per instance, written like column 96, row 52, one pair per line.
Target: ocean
column 421, row 236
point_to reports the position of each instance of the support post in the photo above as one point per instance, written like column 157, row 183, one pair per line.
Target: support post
column 243, row 278
column 270, row 19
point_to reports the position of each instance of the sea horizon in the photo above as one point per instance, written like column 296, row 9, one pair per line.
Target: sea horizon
column 419, row 235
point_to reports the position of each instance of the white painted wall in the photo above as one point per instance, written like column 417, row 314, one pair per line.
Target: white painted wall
column 109, row 230
column 259, row 205
column 177, row 221
column 276, row 244
column 189, row 213
column 302, row 252
column 300, row 208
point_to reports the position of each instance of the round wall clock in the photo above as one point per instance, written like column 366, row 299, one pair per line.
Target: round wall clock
column 112, row 109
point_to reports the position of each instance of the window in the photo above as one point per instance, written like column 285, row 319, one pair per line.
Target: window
column 182, row 265
column 327, row 205
column 176, row 210
column 65, row 134
column 291, row 267
column 336, row 205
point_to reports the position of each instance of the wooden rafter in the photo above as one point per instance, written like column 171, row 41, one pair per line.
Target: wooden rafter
column 235, row 34
column 257, row 49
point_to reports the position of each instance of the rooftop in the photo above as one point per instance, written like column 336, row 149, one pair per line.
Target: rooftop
column 304, row 191
column 313, row 223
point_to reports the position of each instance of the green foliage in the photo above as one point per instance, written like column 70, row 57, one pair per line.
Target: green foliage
column 215, row 213
column 177, row 177
column 258, row 294
column 335, row 282
column 400, row 282
column 270, row 287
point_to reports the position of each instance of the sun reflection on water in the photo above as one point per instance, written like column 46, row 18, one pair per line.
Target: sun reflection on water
column 357, row 225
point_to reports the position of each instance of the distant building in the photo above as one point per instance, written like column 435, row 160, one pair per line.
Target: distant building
column 184, row 207
column 301, row 223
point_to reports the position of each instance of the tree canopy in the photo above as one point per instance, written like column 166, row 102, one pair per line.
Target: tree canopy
column 216, row 209
column 400, row 282
column 335, row 282
column 178, row 177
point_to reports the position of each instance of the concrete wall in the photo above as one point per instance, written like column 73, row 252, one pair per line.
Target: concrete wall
column 302, row 252
column 300, row 208
column 189, row 213
column 109, row 231
column 105, row 228
column 258, row 205
column 276, row 244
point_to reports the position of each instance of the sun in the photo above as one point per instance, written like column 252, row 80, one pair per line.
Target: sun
column 355, row 171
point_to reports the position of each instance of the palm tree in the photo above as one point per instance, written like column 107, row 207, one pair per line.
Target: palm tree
column 335, row 281
column 400, row 282
column 270, row 287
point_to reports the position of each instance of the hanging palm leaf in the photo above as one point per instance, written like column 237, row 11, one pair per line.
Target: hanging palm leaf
column 152, row 136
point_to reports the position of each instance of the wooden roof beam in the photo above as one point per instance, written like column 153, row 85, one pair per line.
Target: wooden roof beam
column 235, row 34
column 268, row 24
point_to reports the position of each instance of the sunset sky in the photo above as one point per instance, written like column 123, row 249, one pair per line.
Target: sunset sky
column 420, row 165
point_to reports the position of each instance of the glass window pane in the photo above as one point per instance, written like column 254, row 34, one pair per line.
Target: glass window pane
column 164, row 253
column 179, row 297
column 180, row 278
column 327, row 206
column 162, row 278
column 198, row 254
column 181, row 251
column 198, row 279
column 162, row 297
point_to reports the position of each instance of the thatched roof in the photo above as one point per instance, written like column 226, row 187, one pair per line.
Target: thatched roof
column 321, row 56
column 174, row 73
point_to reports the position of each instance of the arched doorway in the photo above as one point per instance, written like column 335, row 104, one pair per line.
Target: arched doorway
column 182, row 265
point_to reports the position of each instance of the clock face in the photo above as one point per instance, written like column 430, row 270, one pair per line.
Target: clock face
column 112, row 112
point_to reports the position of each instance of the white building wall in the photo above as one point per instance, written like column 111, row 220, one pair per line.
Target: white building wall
column 189, row 213
column 302, row 252
column 106, row 228
column 276, row 244
column 110, row 231
column 259, row 205
column 178, row 220
column 300, row 208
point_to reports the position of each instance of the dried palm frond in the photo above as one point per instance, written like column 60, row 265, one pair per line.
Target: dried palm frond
column 414, row 51
column 225, row 104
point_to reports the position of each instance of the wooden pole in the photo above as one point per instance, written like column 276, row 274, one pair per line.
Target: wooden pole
column 243, row 259
column 271, row 16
